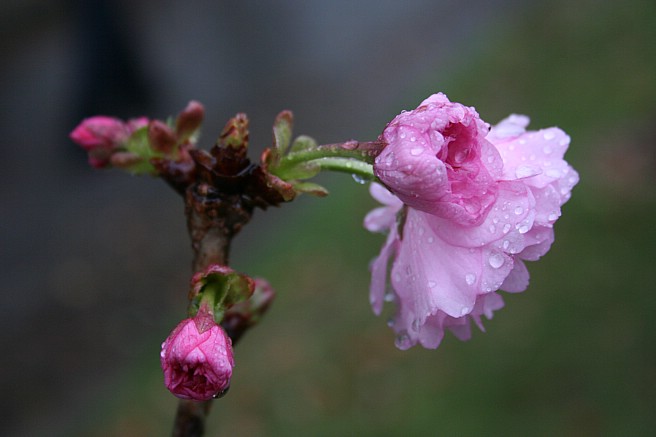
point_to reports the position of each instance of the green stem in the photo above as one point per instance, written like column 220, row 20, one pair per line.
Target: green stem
column 344, row 165
column 358, row 153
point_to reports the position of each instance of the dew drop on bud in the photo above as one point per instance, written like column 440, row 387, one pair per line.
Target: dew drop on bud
column 359, row 179
column 221, row 393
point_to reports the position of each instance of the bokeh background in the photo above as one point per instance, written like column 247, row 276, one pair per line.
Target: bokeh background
column 95, row 264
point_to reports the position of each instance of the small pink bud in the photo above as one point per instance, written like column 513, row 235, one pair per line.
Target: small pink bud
column 197, row 358
column 161, row 137
column 190, row 119
column 99, row 136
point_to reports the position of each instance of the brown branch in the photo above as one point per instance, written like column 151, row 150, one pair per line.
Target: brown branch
column 212, row 222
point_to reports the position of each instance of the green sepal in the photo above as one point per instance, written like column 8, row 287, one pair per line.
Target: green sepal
column 139, row 145
column 220, row 288
column 310, row 188
column 282, row 132
column 303, row 142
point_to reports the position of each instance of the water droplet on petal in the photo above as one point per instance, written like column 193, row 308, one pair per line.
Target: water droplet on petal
column 549, row 135
column 402, row 135
column 496, row 260
column 492, row 229
column 519, row 210
column 416, row 325
column 413, row 139
column 389, row 297
column 470, row 278
column 464, row 311
column 553, row 216
column 416, row 151
column 430, row 240
column 506, row 228
column 505, row 245
column 403, row 341
column 432, row 284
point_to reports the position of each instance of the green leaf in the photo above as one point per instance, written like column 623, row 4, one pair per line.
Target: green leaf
column 303, row 142
column 310, row 188
column 282, row 131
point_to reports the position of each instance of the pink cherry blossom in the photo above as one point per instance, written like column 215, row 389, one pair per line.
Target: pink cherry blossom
column 100, row 136
column 197, row 359
column 469, row 207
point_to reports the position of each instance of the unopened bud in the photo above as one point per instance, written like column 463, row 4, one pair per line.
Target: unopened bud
column 161, row 137
column 189, row 120
column 197, row 358
column 235, row 133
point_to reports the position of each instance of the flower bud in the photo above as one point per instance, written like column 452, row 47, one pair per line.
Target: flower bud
column 197, row 358
column 99, row 136
column 189, row 120
column 161, row 137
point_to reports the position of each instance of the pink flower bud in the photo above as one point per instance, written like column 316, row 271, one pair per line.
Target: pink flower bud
column 189, row 120
column 197, row 359
column 99, row 136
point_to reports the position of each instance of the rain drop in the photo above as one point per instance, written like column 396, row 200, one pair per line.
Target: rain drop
column 403, row 341
column 519, row 210
column 496, row 260
column 470, row 278
column 492, row 229
column 553, row 216
column 416, row 151
column 549, row 135
column 359, row 179
column 506, row 228
column 464, row 311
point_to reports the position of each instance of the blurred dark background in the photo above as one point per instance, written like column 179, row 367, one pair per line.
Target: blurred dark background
column 95, row 264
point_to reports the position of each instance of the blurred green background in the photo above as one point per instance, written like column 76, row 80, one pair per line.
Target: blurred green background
column 573, row 355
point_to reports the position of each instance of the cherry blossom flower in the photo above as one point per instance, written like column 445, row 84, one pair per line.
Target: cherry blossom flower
column 466, row 206
column 197, row 358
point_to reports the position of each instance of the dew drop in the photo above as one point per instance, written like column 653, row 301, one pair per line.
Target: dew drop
column 553, row 173
column 389, row 297
column 524, row 171
column 519, row 210
column 553, row 216
column 430, row 240
column 359, row 179
column 413, row 139
column 492, row 229
column 470, row 278
column 402, row 135
column 416, row 325
column 506, row 228
column 523, row 228
column 464, row 311
column 549, row 135
column 402, row 341
column 416, row 151
column 496, row 260
column 505, row 245
column 432, row 284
